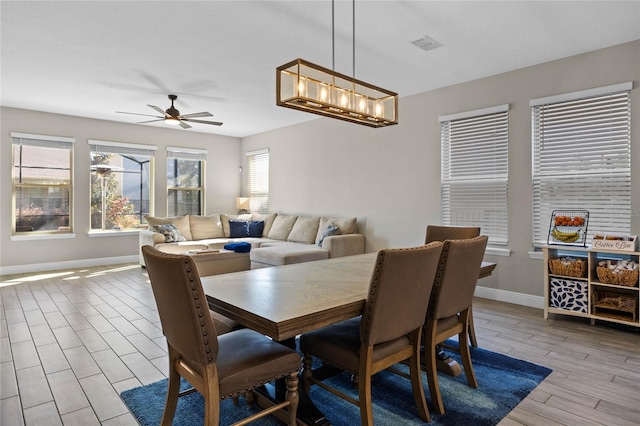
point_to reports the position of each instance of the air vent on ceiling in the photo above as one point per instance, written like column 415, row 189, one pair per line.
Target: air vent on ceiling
column 426, row 43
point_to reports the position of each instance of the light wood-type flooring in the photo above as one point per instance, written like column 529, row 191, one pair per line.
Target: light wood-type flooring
column 72, row 340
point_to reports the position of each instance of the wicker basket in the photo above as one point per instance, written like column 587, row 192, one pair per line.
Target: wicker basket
column 623, row 277
column 576, row 268
column 614, row 304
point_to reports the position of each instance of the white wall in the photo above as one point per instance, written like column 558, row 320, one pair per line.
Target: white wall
column 390, row 178
column 222, row 186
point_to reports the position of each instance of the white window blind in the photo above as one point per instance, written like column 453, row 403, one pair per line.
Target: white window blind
column 582, row 158
column 122, row 148
column 258, row 180
column 187, row 153
column 475, row 171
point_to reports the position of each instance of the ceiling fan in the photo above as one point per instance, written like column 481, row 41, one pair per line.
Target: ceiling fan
column 172, row 116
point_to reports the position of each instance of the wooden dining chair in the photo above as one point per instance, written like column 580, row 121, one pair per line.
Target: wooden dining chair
column 387, row 332
column 450, row 306
column 441, row 233
column 218, row 367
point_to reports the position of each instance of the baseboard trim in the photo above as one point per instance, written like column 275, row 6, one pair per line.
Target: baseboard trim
column 72, row 264
column 510, row 297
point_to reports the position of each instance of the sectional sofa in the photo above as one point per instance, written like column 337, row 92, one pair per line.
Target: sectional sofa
column 275, row 238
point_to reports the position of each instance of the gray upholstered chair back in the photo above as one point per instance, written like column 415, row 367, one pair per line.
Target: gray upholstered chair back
column 457, row 276
column 399, row 292
column 441, row 233
column 182, row 305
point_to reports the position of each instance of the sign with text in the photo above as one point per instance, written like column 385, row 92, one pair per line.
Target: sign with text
column 614, row 243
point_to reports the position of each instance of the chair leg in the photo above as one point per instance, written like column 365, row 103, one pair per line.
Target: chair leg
column 472, row 329
column 249, row 398
column 364, row 398
column 465, row 353
column 211, row 396
column 432, row 369
column 307, row 373
column 293, row 397
column 418, row 389
column 173, row 389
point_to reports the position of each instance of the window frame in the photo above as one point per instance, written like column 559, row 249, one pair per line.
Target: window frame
column 475, row 154
column 560, row 112
column 44, row 141
column 124, row 150
column 176, row 154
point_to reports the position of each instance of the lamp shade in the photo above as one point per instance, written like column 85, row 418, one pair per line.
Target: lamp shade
column 308, row 87
column 243, row 203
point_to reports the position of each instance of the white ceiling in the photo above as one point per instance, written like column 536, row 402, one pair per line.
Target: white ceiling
column 92, row 58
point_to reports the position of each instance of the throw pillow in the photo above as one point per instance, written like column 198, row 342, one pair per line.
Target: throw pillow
column 180, row 222
column 268, row 221
column 203, row 227
column 282, row 226
column 225, row 218
column 304, row 230
column 238, row 228
column 331, row 229
column 255, row 228
column 170, row 232
column 345, row 226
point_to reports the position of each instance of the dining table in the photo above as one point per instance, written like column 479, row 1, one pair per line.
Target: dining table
column 283, row 302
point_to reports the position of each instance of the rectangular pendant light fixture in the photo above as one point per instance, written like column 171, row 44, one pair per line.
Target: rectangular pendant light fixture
column 308, row 87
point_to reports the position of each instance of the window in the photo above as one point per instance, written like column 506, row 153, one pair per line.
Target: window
column 581, row 145
column 475, row 161
column 258, row 180
column 42, row 176
column 185, row 181
column 121, row 179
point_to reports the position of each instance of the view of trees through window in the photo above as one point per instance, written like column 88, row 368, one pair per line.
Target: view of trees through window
column 119, row 190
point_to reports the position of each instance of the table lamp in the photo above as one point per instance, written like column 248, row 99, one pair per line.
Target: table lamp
column 243, row 204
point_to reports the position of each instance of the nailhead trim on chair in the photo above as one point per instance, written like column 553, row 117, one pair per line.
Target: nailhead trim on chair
column 188, row 270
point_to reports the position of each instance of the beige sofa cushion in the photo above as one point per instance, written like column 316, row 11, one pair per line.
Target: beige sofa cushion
column 286, row 253
column 305, row 230
column 181, row 222
column 282, row 226
column 203, row 227
column 345, row 226
column 267, row 218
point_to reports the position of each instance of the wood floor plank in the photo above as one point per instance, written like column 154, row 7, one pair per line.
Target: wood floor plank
column 34, row 388
column 99, row 334
column 67, row 392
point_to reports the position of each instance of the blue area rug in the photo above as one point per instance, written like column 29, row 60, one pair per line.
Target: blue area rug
column 503, row 383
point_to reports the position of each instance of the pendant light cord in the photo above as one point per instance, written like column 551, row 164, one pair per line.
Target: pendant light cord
column 333, row 35
column 353, row 35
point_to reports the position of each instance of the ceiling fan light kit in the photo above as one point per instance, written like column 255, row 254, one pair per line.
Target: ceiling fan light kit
column 312, row 88
column 172, row 116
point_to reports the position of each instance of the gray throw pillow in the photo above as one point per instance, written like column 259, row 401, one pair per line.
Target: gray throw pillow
column 331, row 229
column 170, row 232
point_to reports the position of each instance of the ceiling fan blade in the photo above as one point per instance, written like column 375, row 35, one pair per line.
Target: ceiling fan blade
column 197, row 114
column 135, row 113
column 215, row 123
column 150, row 121
column 184, row 125
column 160, row 110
